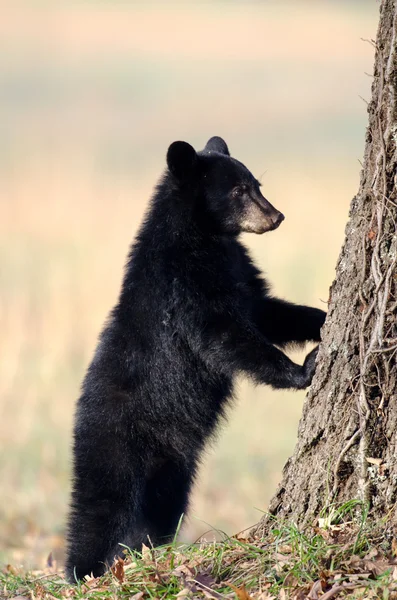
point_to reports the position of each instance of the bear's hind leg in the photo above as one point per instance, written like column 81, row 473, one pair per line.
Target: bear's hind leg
column 96, row 529
column 166, row 498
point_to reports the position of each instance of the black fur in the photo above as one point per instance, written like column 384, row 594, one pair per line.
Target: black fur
column 193, row 313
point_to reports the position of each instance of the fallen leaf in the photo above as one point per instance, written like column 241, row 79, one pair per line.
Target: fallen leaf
column 91, row 582
column 317, row 588
column 376, row 567
column 183, row 570
column 371, row 554
column 196, row 562
column 118, row 569
column 39, row 591
column 203, row 582
column 285, row 549
column 183, row 593
column 301, row 593
column 241, row 593
column 324, row 522
column 68, row 592
column 242, row 536
column 11, row 569
column 137, row 596
column 359, row 576
column 290, row 580
column 325, row 533
column 281, row 561
column 146, row 554
column 205, row 579
column 265, row 596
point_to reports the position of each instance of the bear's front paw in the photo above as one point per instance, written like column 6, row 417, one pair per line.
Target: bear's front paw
column 309, row 366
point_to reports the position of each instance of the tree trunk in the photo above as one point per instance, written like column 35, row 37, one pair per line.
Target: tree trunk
column 347, row 441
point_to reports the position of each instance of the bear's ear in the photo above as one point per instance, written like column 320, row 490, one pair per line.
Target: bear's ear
column 181, row 159
column 217, row 144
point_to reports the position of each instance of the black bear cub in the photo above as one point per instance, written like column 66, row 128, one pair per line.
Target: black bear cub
column 193, row 313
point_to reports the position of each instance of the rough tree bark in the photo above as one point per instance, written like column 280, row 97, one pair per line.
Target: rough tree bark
column 347, row 440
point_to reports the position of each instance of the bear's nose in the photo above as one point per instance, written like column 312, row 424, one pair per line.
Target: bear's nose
column 279, row 218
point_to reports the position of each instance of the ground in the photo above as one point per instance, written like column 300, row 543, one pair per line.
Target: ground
column 342, row 555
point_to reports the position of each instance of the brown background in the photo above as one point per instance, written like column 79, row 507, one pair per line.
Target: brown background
column 91, row 94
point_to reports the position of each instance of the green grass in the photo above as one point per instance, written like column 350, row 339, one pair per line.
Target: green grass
column 343, row 554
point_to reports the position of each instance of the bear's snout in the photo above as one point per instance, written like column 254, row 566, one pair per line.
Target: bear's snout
column 277, row 219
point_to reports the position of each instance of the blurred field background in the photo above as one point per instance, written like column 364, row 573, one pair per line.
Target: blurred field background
column 91, row 94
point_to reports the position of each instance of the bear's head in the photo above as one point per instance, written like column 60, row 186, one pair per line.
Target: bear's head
column 230, row 193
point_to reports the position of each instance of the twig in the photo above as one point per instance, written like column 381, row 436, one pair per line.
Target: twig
column 340, row 587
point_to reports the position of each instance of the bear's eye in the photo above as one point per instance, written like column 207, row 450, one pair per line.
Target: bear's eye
column 239, row 191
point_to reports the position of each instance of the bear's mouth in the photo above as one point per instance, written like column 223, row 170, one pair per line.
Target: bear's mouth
column 261, row 220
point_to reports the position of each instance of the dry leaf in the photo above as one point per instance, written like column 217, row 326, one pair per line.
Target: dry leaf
column 183, row 593
column 11, row 569
column 317, row 588
column 203, row 582
column 376, row 566
column 286, row 549
column 324, row 522
column 265, row 596
column 39, row 591
column 183, row 570
column 68, row 592
column 118, row 569
column 281, row 561
column 146, row 554
column 241, row 593
column 374, row 461
column 301, row 593
column 290, row 580
column 325, row 533
column 92, row 583
column 242, row 536
column 371, row 554
column 196, row 562
column 205, row 579
column 137, row 596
